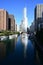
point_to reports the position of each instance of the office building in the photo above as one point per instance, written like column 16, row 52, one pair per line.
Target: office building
column 24, row 22
column 11, row 22
column 38, row 11
column 3, row 19
column 32, row 27
column 15, row 27
column 38, row 16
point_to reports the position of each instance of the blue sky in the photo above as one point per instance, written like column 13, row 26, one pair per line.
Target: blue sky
column 15, row 7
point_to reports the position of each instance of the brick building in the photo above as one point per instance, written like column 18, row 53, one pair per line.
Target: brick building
column 3, row 19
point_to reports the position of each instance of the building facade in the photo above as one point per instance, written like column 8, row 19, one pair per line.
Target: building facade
column 11, row 22
column 38, row 16
column 7, row 22
column 32, row 27
column 16, row 27
column 38, row 11
column 3, row 19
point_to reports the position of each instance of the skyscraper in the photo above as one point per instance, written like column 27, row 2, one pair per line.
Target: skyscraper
column 25, row 18
column 24, row 21
column 3, row 19
column 11, row 23
column 38, row 16
column 7, row 22
column 38, row 11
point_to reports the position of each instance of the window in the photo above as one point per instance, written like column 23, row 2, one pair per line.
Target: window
column 9, row 24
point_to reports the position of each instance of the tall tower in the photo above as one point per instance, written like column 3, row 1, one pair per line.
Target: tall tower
column 25, row 12
column 24, row 25
column 24, row 22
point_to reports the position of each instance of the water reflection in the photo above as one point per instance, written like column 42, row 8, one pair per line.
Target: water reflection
column 20, row 52
column 24, row 40
column 2, row 50
column 7, row 47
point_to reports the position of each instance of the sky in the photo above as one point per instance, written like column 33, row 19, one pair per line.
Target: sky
column 16, row 7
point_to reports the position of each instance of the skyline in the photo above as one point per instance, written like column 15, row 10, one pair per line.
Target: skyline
column 16, row 8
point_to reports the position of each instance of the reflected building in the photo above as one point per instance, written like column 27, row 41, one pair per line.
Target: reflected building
column 2, row 50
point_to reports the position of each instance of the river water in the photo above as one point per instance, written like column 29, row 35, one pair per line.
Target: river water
column 16, row 52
